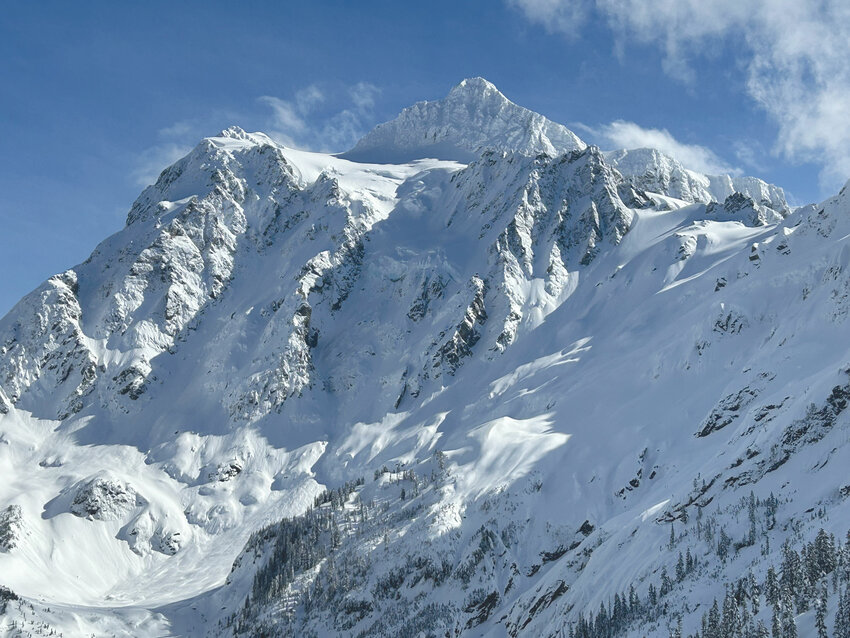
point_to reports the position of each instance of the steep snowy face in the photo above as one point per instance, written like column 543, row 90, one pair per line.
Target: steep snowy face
column 43, row 342
column 769, row 195
column 652, row 170
column 146, row 285
column 474, row 116
column 475, row 258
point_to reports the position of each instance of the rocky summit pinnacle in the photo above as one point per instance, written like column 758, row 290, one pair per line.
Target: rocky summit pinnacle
column 475, row 86
column 473, row 117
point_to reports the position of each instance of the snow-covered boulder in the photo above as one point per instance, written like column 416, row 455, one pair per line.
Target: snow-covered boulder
column 104, row 499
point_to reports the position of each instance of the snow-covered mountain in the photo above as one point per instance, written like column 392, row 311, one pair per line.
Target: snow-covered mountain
column 500, row 393
column 652, row 170
column 474, row 116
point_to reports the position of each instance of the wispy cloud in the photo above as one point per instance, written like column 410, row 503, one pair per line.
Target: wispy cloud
column 555, row 15
column 322, row 119
column 285, row 118
column 151, row 162
column 363, row 95
column 751, row 153
column 172, row 143
column 794, row 53
column 288, row 116
column 177, row 130
column 622, row 134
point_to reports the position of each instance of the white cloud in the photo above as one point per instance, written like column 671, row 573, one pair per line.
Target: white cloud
column 751, row 153
column 285, row 123
column 178, row 129
column 315, row 118
column 151, row 162
column 363, row 95
column 174, row 142
column 288, row 116
column 555, row 15
column 306, row 99
column 622, row 134
column 302, row 122
column 795, row 54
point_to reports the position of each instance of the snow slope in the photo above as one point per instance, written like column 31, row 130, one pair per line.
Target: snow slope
column 535, row 365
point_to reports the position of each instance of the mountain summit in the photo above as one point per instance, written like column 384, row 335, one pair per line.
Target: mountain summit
column 473, row 116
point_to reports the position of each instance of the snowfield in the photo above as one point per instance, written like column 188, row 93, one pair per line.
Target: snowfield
column 473, row 377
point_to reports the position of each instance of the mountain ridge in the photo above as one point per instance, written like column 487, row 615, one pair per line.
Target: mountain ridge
column 654, row 171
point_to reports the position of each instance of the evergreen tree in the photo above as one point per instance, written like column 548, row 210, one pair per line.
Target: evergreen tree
column 755, row 593
column 823, row 556
column 770, row 507
column 842, row 616
column 789, row 625
column 723, row 543
column 820, row 614
column 846, row 558
column 712, row 629
column 745, row 626
column 634, row 602
column 729, row 620
column 771, row 587
column 775, row 624
column 677, row 630
column 792, row 577
column 751, row 512
column 666, row 583
column 680, row 568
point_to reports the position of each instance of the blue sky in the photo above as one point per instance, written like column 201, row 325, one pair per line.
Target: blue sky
column 96, row 98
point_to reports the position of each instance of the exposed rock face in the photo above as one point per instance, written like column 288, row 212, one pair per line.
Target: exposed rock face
column 45, row 354
column 466, row 335
column 104, row 499
column 740, row 207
